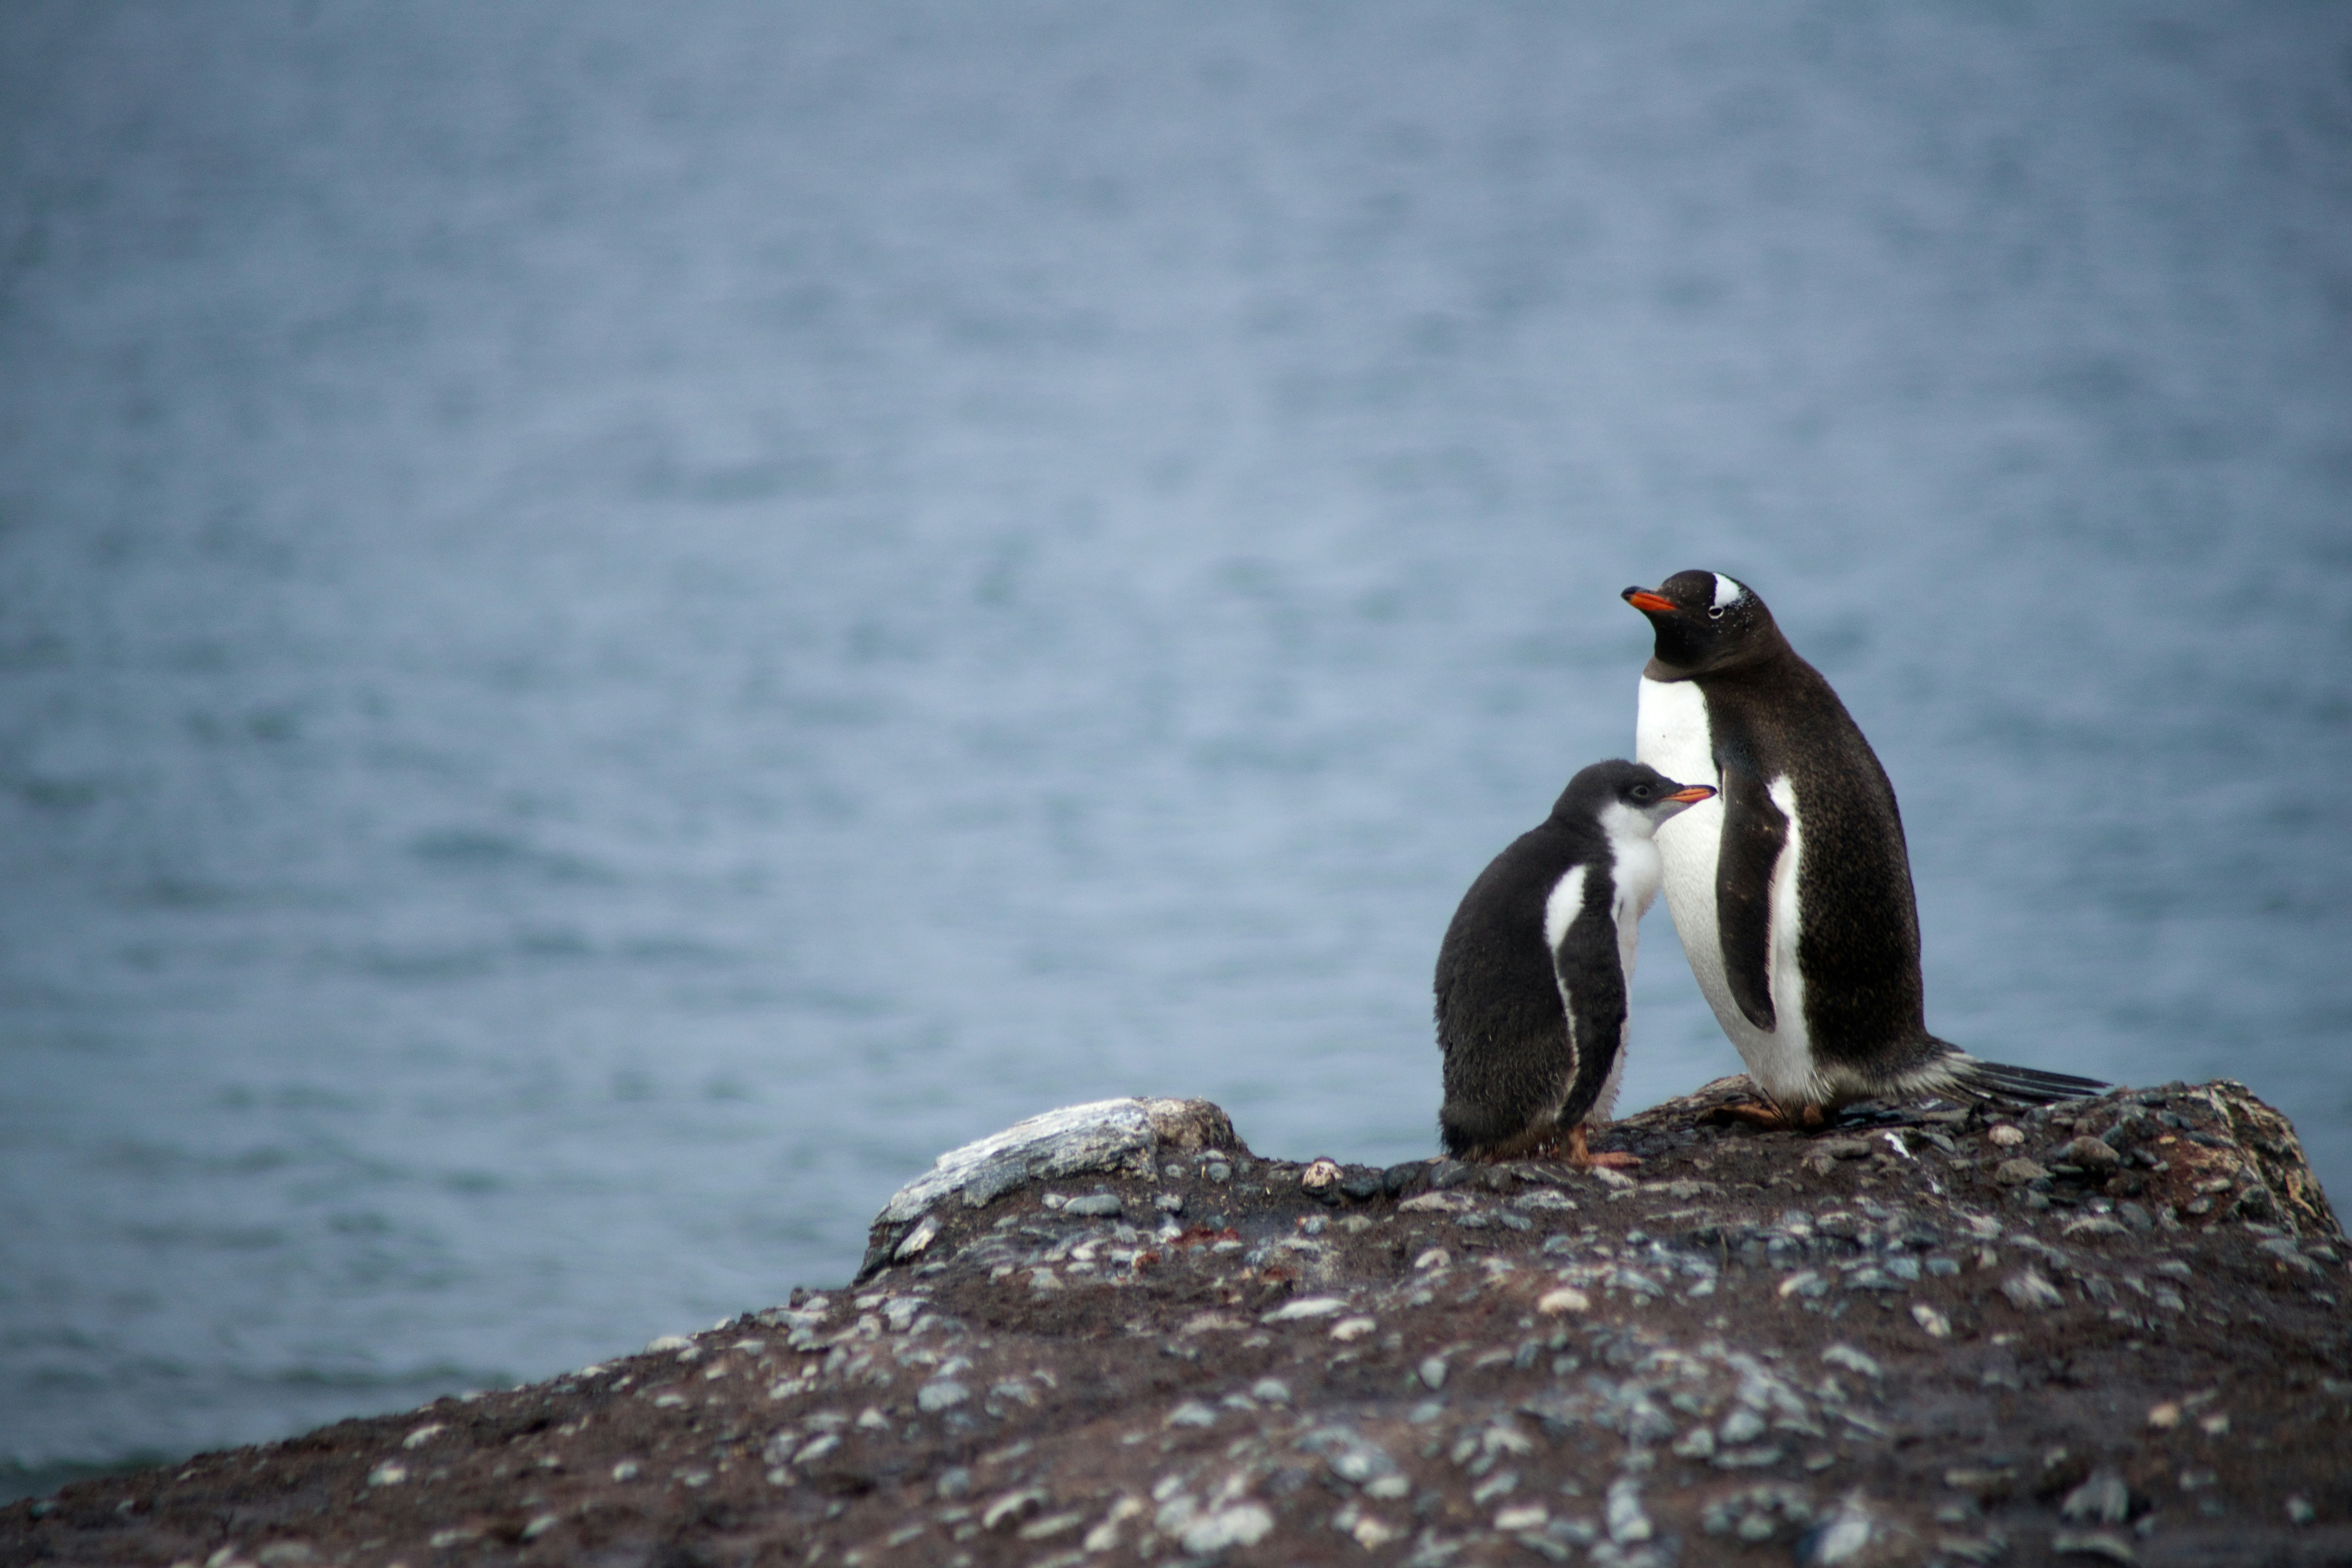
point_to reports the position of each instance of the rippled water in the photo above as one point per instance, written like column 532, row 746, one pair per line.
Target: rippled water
column 618, row 623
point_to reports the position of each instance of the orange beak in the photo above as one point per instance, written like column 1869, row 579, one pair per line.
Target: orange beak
column 1649, row 604
column 1694, row 794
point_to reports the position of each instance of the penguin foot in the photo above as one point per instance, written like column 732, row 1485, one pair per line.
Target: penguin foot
column 1583, row 1158
column 1769, row 1117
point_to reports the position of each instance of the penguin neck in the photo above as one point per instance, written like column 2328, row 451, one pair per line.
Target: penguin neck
column 1766, row 653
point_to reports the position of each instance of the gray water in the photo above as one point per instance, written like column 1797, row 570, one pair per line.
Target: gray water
column 618, row 623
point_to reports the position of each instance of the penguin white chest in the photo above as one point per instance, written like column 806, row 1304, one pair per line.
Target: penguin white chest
column 1673, row 735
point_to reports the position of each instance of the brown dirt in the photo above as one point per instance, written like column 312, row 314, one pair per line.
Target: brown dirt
column 1895, row 1354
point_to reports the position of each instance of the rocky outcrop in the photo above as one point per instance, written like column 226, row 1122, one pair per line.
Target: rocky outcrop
column 2109, row 1331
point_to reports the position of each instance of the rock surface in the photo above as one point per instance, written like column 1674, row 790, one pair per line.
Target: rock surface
column 1115, row 1334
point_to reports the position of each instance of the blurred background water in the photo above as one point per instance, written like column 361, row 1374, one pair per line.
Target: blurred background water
column 619, row 622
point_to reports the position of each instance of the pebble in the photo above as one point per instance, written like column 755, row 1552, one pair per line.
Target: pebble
column 1305, row 1307
column 1095, row 1206
column 1852, row 1360
column 2003, row 1134
column 1433, row 1372
column 390, row 1473
column 2102, row 1500
column 1245, row 1525
column 2027, row 1290
column 1013, row 1509
column 2093, row 1156
column 422, row 1436
column 1938, row 1327
column 1192, row 1412
column 2018, row 1173
column 940, row 1393
column 926, row 1231
column 1567, row 1299
column 1353, row 1328
column 1627, row 1522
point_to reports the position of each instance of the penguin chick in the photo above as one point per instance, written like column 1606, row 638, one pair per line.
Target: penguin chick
column 1791, row 890
column 1532, row 977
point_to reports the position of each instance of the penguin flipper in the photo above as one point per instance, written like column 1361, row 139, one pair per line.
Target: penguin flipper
column 1755, row 835
column 1592, row 985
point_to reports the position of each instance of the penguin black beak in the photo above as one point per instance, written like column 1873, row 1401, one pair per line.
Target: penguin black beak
column 1692, row 796
column 1649, row 604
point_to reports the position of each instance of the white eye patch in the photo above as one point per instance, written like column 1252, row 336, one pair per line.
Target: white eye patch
column 1727, row 592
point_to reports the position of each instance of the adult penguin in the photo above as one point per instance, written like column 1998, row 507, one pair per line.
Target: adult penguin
column 1531, row 976
column 1791, row 889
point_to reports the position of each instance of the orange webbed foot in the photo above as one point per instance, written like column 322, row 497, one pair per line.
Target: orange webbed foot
column 1584, row 1159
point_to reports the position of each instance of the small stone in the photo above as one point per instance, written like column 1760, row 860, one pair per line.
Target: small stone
column 2102, row 1500
column 1842, row 1538
column 1270, row 1391
column 2098, row 1543
column 1526, row 1517
column 390, row 1473
column 1627, row 1522
column 1305, row 1307
column 2002, row 1133
column 954, row 1482
column 1348, row 1328
column 1565, row 1298
column 1169, row 1203
column 1938, row 1327
column 1320, row 1174
column 2093, row 1156
column 1218, row 1171
column 1742, row 1426
column 1013, row 1509
column 1192, row 1412
column 2299, row 1510
column 2163, row 1418
column 1246, row 1525
column 670, row 1342
column 1096, row 1205
column 926, row 1231
column 422, row 1436
column 2018, row 1173
column 1046, row 1528
column 540, row 1526
column 940, row 1393
column 1433, row 1372
column 1852, row 1359
column 2027, row 1290
column 1436, row 1258
column 627, row 1470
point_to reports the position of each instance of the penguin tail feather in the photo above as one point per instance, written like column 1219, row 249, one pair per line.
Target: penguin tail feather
column 2029, row 1084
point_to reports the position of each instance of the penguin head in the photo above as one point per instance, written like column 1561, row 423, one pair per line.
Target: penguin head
column 1626, row 799
column 1705, row 621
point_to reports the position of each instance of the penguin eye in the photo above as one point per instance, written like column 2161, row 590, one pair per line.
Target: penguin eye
column 1714, row 612
column 1641, row 792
